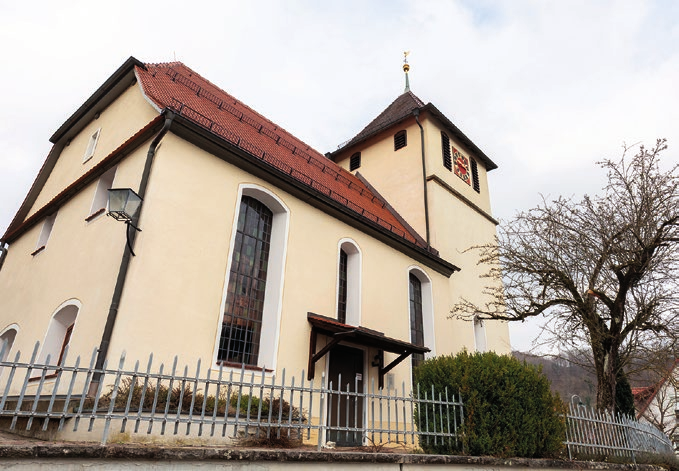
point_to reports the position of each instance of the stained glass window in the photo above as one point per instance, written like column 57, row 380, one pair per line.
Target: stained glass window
column 242, row 322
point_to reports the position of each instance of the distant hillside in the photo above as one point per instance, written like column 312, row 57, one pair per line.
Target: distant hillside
column 565, row 377
column 569, row 378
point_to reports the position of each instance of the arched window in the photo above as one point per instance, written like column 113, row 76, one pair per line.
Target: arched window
column 242, row 324
column 59, row 332
column 416, row 322
column 421, row 309
column 7, row 341
column 250, row 318
column 349, row 283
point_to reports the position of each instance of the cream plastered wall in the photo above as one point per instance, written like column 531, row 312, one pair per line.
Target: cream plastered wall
column 173, row 296
column 396, row 175
column 80, row 262
column 434, row 159
column 118, row 122
column 455, row 228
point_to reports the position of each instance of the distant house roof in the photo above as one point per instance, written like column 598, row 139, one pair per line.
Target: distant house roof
column 404, row 107
column 643, row 396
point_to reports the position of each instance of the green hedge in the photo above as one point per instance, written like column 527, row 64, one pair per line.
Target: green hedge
column 509, row 410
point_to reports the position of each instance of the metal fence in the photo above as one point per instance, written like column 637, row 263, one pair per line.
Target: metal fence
column 228, row 404
column 217, row 402
column 594, row 434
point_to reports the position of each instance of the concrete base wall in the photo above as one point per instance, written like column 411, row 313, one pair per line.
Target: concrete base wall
column 50, row 456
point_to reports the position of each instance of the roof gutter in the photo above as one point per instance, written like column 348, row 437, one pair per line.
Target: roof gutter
column 125, row 262
column 3, row 252
column 416, row 113
column 222, row 148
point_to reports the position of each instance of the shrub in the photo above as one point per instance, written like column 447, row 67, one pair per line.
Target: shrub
column 509, row 410
column 135, row 388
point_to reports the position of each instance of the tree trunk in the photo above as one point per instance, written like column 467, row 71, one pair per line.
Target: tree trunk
column 605, row 363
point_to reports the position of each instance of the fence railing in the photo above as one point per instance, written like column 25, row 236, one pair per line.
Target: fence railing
column 219, row 401
column 233, row 404
column 590, row 434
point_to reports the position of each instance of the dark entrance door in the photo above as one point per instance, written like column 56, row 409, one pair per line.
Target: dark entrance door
column 345, row 409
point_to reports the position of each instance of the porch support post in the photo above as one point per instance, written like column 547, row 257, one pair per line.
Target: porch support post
column 312, row 348
column 313, row 358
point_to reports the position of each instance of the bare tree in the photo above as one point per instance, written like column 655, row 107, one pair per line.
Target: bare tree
column 603, row 269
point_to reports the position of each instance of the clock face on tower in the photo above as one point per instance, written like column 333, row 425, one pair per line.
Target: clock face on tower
column 461, row 164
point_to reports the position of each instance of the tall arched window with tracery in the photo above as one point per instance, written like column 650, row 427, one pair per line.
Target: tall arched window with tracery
column 243, row 311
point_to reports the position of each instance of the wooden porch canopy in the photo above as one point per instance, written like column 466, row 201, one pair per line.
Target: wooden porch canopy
column 363, row 336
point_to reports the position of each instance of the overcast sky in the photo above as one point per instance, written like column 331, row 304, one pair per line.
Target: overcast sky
column 545, row 88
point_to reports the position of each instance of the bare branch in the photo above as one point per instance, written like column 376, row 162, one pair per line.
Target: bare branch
column 604, row 269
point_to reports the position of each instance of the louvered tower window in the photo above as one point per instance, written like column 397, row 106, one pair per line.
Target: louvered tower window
column 355, row 161
column 242, row 322
column 445, row 146
column 475, row 176
column 400, row 139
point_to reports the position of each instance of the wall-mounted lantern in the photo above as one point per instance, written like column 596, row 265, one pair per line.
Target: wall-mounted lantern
column 124, row 205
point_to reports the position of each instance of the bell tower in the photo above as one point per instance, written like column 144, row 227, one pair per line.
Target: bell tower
column 435, row 177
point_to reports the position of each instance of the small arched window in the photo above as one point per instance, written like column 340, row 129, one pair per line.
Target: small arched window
column 349, row 283
column 400, row 139
column 59, row 333
column 7, row 341
column 355, row 161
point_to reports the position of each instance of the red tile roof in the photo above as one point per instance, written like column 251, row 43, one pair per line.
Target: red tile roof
column 643, row 396
column 404, row 107
column 175, row 86
column 399, row 109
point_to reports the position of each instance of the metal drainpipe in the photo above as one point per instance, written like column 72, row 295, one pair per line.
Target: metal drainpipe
column 3, row 252
column 125, row 262
column 416, row 113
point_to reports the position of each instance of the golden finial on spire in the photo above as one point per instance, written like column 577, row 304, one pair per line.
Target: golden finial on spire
column 406, row 69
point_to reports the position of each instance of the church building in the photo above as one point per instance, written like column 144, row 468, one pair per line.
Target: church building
column 247, row 247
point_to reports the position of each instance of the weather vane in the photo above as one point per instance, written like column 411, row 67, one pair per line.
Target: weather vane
column 406, row 68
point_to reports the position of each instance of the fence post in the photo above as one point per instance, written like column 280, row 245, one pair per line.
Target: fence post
column 321, row 414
